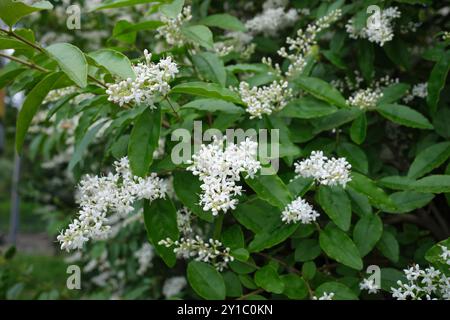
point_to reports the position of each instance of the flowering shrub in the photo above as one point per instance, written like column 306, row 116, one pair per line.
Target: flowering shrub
column 351, row 200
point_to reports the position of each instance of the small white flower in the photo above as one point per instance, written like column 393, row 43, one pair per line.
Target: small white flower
column 219, row 169
column 325, row 171
column 378, row 32
column 99, row 196
column 299, row 210
column 171, row 31
column 325, row 296
column 266, row 99
column 151, row 80
column 369, row 285
column 212, row 251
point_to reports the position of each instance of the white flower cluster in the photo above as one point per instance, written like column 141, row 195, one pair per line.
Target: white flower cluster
column 368, row 98
column 173, row 286
column 419, row 90
column 184, row 221
column 236, row 41
column 369, row 285
column 325, row 296
column 302, row 45
column 324, row 170
column 299, row 210
column 380, row 31
column 272, row 19
column 219, row 170
column 365, row 99
column 212, row 251
column 429, row 284
column 171, row 31
column 266, row 99
column 446, row 35
column 445, row 255
column 144, row 256
column 114, row 193
column 56, row 94
column 151, row 80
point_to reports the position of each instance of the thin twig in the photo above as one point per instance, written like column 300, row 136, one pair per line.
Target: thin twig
column 26, row 63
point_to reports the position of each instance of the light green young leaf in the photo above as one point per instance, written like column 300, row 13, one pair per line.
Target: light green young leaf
column 12, row 11
column 200, row 35
column 71, row 60
column 31, row 105
column 115, row 62
column 223, row 21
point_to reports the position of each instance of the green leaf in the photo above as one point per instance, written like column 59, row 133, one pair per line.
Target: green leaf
column 111, row 4
column 232, row 284
column 295, row 287
column 115, row 62
column 396, row 182
column 341, row 291
column 81, row 147
column 307, row 108
column 223, row 21
column 433, row 255
column 211, row 67
column 335, row 120
column 271, row 236
column 144, row 140
column 214, row 105
column 393, row 93
column 306, row 250
column 12, row 11
column 172, row 10
column 432, row 184
column 397, row 51
column 31, row 105
column 358, row 130
column 160, row 219
column 338, row 246
column 257, row 215
column 335, row 203
column 206, row 281
column 268, row 279
column 187, row 189
column 144, row 25
column 389, row 278
column 355, row 156
column 366, row 58
column 404, row 115
column 407, row 201
column 321, row 90
column 232, row 237
column 367, row 232
column 437, row 79
column 429, row 159
column 376, row 195
column 200, row 35
column 360, row 203
column 71, row 60
column 209, row 90
column 388, row 246
column 271, row 189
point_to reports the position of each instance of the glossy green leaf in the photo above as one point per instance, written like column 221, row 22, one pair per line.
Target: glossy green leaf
column 144, row 141
column 160, row 219
column 429, row 159
column 115, row 62
column 268, row 279
column 338, row 246
column 206, row 281
column 210, row 67
column 335, row 203
column 71, row 60
column 321, row 90
column 367, row 232
column 209, row 90
column 404, row 115
column 200, row 35
column 12, row 11
column 224, row 21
